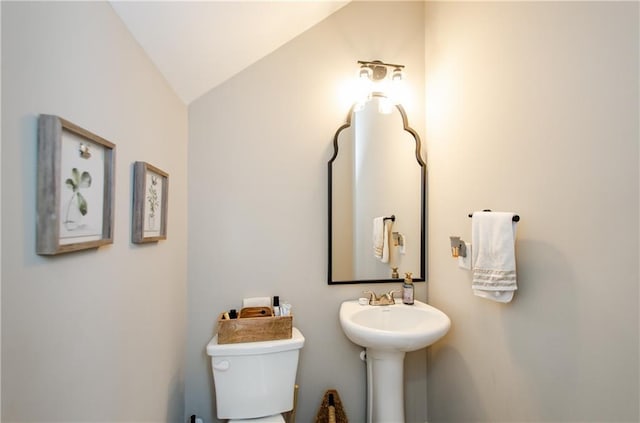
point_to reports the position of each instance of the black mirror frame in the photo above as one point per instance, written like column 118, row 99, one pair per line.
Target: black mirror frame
column 423, row 208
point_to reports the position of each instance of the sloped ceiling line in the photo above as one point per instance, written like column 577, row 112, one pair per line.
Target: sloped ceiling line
column 197, row 45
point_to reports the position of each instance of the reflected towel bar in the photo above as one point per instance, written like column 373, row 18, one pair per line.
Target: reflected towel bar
column 391, row 218
column 515, row 218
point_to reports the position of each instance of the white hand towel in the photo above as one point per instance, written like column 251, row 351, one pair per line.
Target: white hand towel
column 378, row 236
column 381, row 229
column 493, row 255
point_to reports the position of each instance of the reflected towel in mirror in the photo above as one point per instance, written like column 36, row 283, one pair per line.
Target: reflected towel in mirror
column 381, row 229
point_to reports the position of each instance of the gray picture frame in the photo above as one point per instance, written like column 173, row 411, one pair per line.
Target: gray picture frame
column 76, row 188
column 150, row 203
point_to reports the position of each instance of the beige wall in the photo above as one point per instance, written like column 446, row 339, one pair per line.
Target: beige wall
column 533, row 107
column 258, row 152
column 94, row 336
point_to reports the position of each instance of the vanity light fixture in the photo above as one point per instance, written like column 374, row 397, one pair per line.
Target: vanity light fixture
column 380, row 77
column 377, row 70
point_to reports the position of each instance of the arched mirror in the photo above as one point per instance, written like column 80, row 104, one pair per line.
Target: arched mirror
column 376, row 174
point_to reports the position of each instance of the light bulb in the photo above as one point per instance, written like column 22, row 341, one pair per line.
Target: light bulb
column 397, row 74
column 398, row 87
column 362, row 90
column 365, row 72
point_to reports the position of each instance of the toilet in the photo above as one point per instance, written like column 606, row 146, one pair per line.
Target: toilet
column 254, row 381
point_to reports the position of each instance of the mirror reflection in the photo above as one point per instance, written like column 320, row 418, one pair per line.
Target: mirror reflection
column 377, row 181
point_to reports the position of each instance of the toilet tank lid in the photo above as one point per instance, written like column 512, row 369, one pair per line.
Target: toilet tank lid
column 249, row 348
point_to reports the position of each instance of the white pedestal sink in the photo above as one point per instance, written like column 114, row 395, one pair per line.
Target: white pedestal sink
column 388, row 332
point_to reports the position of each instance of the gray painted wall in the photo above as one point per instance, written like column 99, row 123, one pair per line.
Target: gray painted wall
column 93, row 335
column 258, row 151
column 537, row 104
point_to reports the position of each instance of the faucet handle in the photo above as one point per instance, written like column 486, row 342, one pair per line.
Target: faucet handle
column 372, row 296
column 392, row 292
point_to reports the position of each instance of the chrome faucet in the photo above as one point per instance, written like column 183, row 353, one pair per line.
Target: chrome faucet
column 383, row 299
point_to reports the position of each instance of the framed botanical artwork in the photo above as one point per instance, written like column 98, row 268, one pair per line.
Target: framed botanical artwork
column 75, row 194
column 150, row 200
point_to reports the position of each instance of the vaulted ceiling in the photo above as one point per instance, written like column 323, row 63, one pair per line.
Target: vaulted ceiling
column 197, row 45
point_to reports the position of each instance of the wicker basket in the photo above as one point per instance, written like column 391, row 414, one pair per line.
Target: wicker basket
column 323, row 412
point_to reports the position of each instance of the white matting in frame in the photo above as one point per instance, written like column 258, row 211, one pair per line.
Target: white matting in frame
column 82, row 195
column 75, row 188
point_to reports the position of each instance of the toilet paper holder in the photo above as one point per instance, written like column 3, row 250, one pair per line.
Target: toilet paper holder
column 458, row 247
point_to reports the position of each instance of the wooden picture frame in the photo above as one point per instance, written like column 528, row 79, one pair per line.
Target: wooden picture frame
column 76, row 188
column 150, row 203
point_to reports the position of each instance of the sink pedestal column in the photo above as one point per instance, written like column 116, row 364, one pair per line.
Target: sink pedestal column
column 385, row 386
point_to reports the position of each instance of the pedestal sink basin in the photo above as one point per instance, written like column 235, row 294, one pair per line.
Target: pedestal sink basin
column 397, row 327
column 387, row 333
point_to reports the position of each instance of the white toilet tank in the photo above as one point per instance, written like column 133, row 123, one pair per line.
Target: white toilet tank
column 255, row 379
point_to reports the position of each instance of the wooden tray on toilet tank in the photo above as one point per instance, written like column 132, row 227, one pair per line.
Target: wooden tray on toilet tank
column 254, row 329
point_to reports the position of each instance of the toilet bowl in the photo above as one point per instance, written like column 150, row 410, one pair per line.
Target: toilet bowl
column 255, row 381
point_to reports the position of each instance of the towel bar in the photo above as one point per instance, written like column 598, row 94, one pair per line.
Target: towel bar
column 391, row 218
